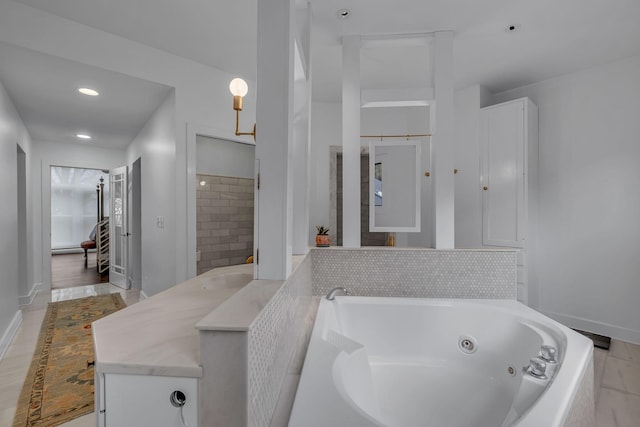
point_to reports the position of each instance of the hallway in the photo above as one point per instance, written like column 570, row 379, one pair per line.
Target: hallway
column 68, row 270
column 15, row 364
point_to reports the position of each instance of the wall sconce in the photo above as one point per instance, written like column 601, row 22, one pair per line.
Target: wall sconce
column 239, row 89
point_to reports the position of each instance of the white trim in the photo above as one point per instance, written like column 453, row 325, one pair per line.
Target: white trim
column 373, row 159
column 10, row 333
column 45, row 191
column 371, row 98
column 28, row 299
column 601, row 328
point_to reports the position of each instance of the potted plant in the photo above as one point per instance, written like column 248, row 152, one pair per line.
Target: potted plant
column 323, row 240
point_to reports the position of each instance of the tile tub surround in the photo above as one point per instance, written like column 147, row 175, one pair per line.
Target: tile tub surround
column 420, row 273
column 582, row 410
column 224, row 221
column 268, row 323
column 254, row 345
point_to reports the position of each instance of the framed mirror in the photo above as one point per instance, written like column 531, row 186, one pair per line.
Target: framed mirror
column 394, row 186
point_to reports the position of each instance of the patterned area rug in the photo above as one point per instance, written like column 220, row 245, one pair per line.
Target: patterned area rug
column 59, row 384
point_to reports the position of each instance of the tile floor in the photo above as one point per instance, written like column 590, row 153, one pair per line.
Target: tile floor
column 15, row 364
column 617, row 385
column 616, row 372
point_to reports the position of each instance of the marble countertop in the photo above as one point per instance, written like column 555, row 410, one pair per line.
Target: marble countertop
column 240, row 311
column 157, row 336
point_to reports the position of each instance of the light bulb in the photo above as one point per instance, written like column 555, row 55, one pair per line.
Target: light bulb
column 88, row 91
column 238, row 87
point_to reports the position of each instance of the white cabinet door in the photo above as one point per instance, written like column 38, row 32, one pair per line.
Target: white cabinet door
column 503, row 172
column 144, row 400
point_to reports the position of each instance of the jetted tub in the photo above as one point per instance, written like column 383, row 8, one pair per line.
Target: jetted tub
column 403, row 362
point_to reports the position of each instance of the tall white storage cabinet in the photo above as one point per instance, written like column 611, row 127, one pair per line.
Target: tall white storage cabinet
column 508, row 168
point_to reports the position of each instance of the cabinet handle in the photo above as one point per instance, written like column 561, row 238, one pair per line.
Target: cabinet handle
column 485, row 188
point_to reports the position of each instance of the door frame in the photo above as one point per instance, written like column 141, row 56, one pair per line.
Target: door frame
column 124, row 228
column 45, row 211
column 193, row 130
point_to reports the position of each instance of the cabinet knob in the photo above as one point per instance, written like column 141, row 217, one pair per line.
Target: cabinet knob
column 485, row 188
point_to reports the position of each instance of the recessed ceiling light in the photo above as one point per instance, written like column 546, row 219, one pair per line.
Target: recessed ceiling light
column 83, row 136
column 343, row 13
column 512, row 28
column 88, row 91
column 203, row 183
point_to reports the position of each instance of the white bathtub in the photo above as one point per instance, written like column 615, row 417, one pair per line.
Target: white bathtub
column 398, row 362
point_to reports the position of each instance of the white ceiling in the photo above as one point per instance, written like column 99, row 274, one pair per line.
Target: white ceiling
column 44, row 91
column 553, row 38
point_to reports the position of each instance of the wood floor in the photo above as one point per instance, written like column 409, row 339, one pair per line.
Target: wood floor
column 67, row 270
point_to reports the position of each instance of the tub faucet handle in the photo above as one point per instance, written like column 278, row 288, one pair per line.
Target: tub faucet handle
column 332, row 293
column 537, row 368
column 548, row 353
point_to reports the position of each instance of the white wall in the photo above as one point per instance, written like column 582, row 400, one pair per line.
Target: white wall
column 225, row 158
column 589, row 171
column 201, row 92
column 44, row 155
column 12, row 133
column 155, row 145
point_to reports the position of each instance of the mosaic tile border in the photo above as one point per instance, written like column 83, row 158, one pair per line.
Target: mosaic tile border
column 420, row 273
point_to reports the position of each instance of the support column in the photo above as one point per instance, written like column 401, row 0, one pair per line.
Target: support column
column 351, row 141
column 274, row 139
column 302, row 132
column 442, row 143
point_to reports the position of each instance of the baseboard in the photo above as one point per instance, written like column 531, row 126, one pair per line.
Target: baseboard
column 143, row 295
column 11, row 331
column 601, row 328
column 28, row 299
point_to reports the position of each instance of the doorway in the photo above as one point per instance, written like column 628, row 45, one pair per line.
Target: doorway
column 78, row 197
column 224, row 202
column 22, row 223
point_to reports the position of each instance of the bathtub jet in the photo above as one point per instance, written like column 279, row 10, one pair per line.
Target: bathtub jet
column 402, row 362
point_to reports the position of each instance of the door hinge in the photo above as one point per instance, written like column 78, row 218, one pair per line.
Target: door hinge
column 257, row 256
column 258, row 183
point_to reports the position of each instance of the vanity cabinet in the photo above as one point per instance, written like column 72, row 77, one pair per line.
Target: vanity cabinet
column 145, row 400
column 508, row 181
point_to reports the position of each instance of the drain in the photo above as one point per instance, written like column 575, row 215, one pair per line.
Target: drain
column 467, row 345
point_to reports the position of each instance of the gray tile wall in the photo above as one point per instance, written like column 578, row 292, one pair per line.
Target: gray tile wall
column 422, row 273
column 367, row 238
column 224, row 218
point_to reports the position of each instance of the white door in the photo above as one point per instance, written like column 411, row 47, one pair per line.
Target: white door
column 502, row 169
column 118, row 228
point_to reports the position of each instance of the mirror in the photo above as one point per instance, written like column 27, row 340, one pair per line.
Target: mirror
column 394, row 186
